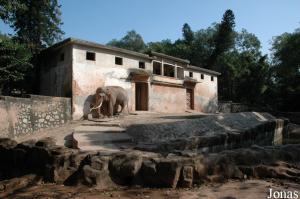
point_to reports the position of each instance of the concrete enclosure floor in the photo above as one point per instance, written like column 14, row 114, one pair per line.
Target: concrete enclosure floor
column 63, row 134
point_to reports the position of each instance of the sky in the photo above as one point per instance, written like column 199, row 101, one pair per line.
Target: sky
column 101, row 21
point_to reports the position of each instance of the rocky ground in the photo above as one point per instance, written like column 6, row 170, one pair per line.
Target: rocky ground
column 45, row 168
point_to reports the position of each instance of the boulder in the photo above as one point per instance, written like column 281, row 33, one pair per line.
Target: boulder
column 6, row 143
column 186, row 177
column 124, row 167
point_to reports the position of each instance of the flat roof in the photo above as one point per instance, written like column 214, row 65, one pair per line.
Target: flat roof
column 152, row 55
column 197, row 68
column 97, row 45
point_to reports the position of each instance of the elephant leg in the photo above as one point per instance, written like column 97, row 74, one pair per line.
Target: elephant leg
column 116, row 108
column 110, row 109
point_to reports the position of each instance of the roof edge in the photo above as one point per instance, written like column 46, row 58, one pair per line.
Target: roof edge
column 72, row 40
column 197, row 68
column 153, row 53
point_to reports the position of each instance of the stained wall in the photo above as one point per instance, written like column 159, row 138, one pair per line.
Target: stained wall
column 205, row 92
column 56, row 73
column 89, row 75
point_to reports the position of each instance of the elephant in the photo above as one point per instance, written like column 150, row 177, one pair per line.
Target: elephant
column 113, row 96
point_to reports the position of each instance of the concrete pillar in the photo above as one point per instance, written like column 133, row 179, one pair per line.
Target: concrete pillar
column 175, row 72
column 162, row 67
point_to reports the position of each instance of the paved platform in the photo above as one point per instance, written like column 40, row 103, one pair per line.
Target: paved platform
column 108, row 136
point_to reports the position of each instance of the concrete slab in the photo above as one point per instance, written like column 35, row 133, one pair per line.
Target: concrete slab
column 99, row 137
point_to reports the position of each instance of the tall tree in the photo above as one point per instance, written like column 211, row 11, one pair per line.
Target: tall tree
column 224, row 38
column 286, row 63
column 36, row 23
column 14, row 63
column 187, row 33
column 131, row 41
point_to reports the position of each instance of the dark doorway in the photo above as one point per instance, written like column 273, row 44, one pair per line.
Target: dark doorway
column 141, row 96
column 190, row 98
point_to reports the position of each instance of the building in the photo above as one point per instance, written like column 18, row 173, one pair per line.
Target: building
column 155, row 82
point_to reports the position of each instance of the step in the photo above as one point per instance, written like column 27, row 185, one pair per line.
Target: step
column 101, row 138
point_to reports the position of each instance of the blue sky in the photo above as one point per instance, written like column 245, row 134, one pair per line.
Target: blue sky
column 102, row 21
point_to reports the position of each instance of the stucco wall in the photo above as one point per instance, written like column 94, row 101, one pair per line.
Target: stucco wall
column 205, row 92
column 21, row 116
column 206, row 95
column 56, row 74
column 89, row 75
column 167, row 99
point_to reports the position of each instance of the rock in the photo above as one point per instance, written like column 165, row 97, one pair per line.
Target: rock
column 186, row 178
column 124, row 167
column 100, row 178
column 7, row 143
column 46, row 142
column 93, row 171
column 167, row 173
column 148, row 173
column 200, row 173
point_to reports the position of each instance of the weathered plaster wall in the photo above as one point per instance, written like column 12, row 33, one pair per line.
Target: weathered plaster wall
column 89, row 75
column 56, row 74
column 168, row 99
column 205, row 92
column 20, row 116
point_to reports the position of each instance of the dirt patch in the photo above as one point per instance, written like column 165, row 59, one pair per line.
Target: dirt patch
column 248, row 189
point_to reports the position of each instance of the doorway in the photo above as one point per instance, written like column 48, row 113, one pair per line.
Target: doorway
column 141, row 96
column 190, row 98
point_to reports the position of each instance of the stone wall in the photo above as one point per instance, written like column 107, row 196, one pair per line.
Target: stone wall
column 20, row 116
column 231, row 107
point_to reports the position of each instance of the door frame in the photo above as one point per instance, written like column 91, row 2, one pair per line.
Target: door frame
column 146, row 86
column 192, row 99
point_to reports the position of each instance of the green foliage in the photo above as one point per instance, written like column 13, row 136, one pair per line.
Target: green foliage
column 286, row 67
column 224, row 38
column 131, row 41
column 188, row 34
column 36, row 23
column 244, row 71
column 14, row 61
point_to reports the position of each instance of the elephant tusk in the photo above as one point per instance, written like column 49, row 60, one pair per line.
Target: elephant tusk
column 96, row 107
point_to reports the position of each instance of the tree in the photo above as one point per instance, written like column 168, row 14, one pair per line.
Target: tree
column 188, row 34
column 245, row 71
column 224, row 38
column 286, row 66
column 131, row 41
column 36, row 23
column 14, row 62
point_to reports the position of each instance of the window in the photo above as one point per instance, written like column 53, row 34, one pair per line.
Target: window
column 212, row 78
column 169, row 70
column 190, row 74
column 202, row 76
column 180, row 73
column 156, row 68
column 118, row 60
column 90, row 56
column 62, row 57
column 142, row 65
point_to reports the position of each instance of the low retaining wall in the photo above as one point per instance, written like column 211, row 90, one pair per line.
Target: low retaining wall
column 231, row 107
column 213, row 133
column 20, row 116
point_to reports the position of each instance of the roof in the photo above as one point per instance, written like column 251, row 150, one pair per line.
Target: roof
column 152, row 53
column 96, row 45
column 197, row 68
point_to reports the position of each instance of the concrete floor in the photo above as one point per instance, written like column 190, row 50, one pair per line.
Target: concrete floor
column 106, row 134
